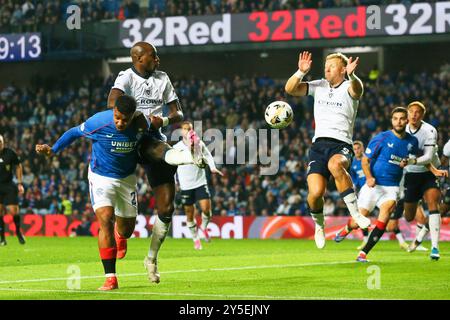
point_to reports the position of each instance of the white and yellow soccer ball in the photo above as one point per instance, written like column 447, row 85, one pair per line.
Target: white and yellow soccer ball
column 279, row 114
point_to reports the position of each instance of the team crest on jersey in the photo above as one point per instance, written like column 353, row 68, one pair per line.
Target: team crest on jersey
column 410, row 146
column 148, row 91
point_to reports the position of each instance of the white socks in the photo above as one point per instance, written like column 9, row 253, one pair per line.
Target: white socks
column 159, row 233
column 205, row 219
column 178, row 157
column 400, row 238
column 351, row 202
column 422, row 234
column 193, row 228
column 318, row 219
column 434, row 221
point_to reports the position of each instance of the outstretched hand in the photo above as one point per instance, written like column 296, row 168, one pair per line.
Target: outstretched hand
column 351, row 65
column 304, row 61
column 44, row 149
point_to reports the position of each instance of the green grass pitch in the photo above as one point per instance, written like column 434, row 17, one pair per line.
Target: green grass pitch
column 47, row 268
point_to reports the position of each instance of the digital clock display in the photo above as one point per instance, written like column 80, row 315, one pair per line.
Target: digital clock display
column 20, row 46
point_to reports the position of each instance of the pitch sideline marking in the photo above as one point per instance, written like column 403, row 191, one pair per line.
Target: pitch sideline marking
column 189, row 294
column 184, row 271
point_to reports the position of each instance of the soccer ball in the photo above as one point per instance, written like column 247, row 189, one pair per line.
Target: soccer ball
column 279, row 114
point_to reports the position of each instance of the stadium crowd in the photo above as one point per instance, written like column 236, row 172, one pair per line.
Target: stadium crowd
column 31, row 15
column 43, row 111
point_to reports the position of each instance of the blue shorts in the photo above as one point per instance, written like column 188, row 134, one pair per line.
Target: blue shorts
column 321, row 152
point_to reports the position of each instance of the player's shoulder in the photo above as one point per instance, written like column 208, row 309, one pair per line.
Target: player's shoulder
column 383, row 135
column 428, row 127
column 160, row 74
column 9, row 152
column 125, row 73
column 319, row 82
column 100, row 118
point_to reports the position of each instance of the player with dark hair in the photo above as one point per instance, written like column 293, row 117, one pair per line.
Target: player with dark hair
column 112, row 181
column 336, row 102
column 8, row 190
column 153, row 89
column 383, row 165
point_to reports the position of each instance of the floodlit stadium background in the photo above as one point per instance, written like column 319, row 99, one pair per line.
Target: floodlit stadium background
column 227, row 60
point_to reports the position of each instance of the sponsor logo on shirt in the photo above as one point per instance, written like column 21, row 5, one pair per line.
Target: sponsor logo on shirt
column 123, row 146
column 144, row 101
column 330, row 103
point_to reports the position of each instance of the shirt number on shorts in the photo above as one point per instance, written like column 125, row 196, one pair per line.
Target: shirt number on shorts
column 133, row 198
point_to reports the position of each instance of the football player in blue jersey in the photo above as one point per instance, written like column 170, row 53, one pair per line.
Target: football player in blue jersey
column 115, row 136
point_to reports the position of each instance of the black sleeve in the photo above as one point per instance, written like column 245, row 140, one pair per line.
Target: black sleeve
column 15, row 159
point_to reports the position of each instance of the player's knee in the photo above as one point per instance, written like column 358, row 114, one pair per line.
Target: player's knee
column 166, row 209
column 336, row 168
column 315, row 193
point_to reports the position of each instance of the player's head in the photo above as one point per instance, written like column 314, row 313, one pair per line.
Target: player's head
column 2, row 143
column 144, row 57
column 358, row 148
column 124, row 111
column 186, row 126
column 416, row 112
column 335, row 65
column 399, row 119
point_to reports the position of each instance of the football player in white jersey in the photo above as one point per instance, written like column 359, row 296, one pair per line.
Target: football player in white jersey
column 336, row 102
column 152, row 90
column 420, row 182
column 194, row 187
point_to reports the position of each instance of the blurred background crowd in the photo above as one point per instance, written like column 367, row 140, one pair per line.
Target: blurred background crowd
column 41, row 112
column 30, row 15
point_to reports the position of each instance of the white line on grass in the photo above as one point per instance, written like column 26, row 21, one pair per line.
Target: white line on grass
column 218, row 296
column 188, row 271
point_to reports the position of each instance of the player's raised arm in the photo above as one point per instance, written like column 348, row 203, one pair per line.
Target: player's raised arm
column 65, row 140
column 356, row 88
column 294, row 86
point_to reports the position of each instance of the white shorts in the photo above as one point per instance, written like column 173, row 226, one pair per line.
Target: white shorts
column 121, row 194
column 369, row 198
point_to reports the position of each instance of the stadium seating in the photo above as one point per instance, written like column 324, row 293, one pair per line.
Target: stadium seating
column 39, row 113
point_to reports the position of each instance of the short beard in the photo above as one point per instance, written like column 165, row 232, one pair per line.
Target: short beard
column 400, row 131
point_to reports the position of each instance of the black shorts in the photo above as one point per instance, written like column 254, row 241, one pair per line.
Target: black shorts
column 9, row 194
column 158, row 172
column 321, row 152
column 398, row 212
column 447, row 196
column 189, row 197
column 417, row 183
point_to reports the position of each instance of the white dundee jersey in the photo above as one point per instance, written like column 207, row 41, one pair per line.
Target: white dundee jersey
column 334, row 110
column 189, row 175
column 151, row 94
column 427, row 136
